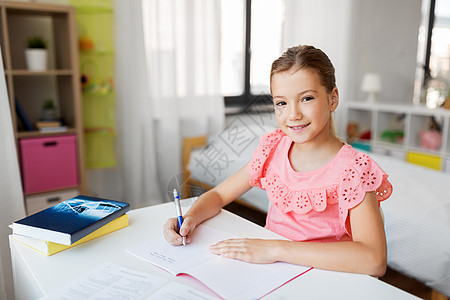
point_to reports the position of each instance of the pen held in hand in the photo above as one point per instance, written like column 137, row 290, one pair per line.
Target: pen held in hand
column 176, row 198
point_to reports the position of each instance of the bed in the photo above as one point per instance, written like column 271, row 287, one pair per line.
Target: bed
column 417, row 215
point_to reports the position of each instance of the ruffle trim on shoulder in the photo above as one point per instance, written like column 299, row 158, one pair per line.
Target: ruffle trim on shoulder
column 364, row 176
column 257, row 166
column 298, row 201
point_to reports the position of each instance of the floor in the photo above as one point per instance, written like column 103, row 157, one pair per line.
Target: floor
column 391, row 277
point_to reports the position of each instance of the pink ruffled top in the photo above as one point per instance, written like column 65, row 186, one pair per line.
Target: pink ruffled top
column 313, row 205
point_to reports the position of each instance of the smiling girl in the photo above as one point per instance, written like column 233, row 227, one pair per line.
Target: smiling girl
column 324, row 194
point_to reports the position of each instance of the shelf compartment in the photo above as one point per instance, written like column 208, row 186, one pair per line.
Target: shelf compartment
column 99, row 110
column 97, row 71
column 360, row 118
column 390, row 129
column 51, row 25
column 38, row 89
column 423, row 136
column 92, row 33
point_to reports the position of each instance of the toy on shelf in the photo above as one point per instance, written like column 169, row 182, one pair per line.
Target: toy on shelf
column 85, row 43
column 395, row 133
column 393, row 136
column 431, row 139
column 357, row 139
column 352, row 131
column 446, row 103
column 91, row 82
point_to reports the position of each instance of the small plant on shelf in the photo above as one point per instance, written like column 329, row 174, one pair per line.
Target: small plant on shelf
column 48, row 110
column 36, row 42
column 36, row 53
column 48, row 104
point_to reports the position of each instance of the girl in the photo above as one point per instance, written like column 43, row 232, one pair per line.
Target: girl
column 324, row 194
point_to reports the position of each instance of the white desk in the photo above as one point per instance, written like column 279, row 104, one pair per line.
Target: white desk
column 36, row 275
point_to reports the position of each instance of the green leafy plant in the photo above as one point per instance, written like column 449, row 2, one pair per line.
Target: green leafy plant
column 48, row 104
column 36, row 42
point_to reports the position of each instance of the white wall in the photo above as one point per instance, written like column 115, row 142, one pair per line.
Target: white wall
column 361, row 36
column 384, row 40
column 324, row 24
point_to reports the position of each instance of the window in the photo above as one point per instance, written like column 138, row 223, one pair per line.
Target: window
column 251, row 40
column 432, row 83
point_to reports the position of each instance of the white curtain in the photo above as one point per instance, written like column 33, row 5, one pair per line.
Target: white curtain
column 138, row 182
column 11, row 197
column 167, row 82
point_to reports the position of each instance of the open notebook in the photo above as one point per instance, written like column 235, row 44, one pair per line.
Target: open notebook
column 228, row 278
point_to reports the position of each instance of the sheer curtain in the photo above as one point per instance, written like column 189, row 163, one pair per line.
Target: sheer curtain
column 183, row 59
column 138, row 182
column 11, row 198
column 167, row 82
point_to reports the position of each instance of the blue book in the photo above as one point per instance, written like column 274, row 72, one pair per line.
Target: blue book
column 71, row 220
column 23, row 117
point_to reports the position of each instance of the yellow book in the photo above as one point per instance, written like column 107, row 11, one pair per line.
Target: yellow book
column 44, row 124
column 49, row 248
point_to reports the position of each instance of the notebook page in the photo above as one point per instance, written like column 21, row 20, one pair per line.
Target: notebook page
column 178, row 291
column 234, row 279
column 227, row 277
column 178, row 259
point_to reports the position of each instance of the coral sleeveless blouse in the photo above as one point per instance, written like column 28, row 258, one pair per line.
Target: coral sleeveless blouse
column 313, row 205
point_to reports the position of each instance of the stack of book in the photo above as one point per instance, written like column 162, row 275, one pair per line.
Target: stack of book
column 70, row 223
column 50, row 126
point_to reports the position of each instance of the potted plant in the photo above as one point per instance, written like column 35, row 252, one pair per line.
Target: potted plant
column 36, row 53
column 48, row 110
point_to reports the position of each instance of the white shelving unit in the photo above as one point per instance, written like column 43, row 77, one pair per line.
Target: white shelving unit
column 383, row 120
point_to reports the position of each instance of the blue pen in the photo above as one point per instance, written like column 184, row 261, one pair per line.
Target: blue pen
column 176, row 198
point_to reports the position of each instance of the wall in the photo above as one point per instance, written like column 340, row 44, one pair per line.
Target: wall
column 384, row 40
column 324, row 24
column 360, row 36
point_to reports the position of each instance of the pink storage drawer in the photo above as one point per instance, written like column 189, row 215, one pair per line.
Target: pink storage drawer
column 49, row 163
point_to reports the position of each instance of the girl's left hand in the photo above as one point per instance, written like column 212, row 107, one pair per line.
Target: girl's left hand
column 249, row 250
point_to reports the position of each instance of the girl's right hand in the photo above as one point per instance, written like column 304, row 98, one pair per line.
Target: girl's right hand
column 170, row 230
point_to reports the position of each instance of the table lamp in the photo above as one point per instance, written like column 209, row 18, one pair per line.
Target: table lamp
column 371, row 85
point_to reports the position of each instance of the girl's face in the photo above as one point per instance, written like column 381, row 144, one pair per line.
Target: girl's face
column 302, row 105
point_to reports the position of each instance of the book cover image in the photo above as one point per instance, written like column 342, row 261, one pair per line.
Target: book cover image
column 85, row 209
column 71, row 219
